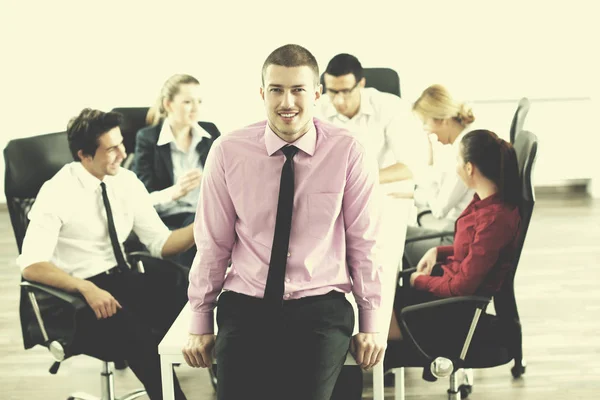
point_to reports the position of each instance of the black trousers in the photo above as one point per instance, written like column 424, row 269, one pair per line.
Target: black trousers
column 349, row 385
column 177, row 221
column 293, row 354
column 150, row 302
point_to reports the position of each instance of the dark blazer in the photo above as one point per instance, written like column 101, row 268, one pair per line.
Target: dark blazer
column 153, row 163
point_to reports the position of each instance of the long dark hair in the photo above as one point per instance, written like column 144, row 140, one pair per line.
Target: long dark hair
column 496, row 159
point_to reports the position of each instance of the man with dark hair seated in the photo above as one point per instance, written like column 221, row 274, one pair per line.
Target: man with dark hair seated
column 380, row 121
column 74, row 242
column 384, row 126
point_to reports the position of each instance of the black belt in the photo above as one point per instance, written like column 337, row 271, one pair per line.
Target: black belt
column 330, row 295
column 113, row 271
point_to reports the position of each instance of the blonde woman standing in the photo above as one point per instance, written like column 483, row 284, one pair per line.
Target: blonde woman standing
column 440, row 189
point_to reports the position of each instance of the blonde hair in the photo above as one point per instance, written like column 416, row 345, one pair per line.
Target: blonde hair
column 437, row 103
column 169, row 90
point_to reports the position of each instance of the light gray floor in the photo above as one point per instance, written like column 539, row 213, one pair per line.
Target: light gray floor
column 557, row 292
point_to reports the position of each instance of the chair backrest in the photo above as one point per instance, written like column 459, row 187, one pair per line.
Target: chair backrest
column 525, row 145
column 29, row 163
column 134, row 119
column 382, row 79
column 518, row 120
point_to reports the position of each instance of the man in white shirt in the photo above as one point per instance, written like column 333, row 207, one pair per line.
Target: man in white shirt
column 384, row 125
column 74, row 242
column 381, row 121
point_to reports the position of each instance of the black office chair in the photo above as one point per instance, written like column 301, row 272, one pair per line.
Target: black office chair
column 29, row 163
column 518, row 120
column 490, row 340
column 134, row 119
column 382, row 79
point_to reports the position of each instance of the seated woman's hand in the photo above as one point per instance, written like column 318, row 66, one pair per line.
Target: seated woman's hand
column 427, row 262
column 414, row 276
column 186, row 183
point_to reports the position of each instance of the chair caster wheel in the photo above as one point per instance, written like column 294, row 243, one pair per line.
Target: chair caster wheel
column 465, row 391
column 121, row 365
column 518, row 370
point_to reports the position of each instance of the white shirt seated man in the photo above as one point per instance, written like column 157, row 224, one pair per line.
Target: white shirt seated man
column 382, row 122
column 74, row 242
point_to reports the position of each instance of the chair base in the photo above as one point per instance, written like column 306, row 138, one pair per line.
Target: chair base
column 107, row 386
column 130, row 396
column 461, row 384
column 518, row 369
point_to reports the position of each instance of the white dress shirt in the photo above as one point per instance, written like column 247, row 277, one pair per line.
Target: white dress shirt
column 441, row 189
column 68, row 225
column 384, row 125
column 183, row 162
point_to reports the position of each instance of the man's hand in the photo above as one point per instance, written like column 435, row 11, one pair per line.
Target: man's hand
column 368, row 349
column 99, row 300
column 428, row 261
column 186, row 183
column 198, row 352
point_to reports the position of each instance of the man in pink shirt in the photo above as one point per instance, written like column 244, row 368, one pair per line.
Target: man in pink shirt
column 291, row 205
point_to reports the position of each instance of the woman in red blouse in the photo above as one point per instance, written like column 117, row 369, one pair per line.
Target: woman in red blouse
column 484, row 246
column 485, row 234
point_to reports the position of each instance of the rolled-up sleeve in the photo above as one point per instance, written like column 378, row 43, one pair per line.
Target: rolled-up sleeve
column 147, row 225
column 214, row 234
column 362, row 207
column 403, row 135
column 42, row 233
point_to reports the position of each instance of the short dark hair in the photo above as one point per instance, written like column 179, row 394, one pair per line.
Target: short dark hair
column 291, row 55
column 84, row 130
column 496, row 159
column 344, row 64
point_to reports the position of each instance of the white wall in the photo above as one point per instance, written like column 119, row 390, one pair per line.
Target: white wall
column 61, row 56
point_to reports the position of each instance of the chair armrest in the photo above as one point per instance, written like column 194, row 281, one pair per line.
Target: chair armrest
column 58, row 345
column 479, row 304
column 436, row 235
column 138, row 258
column 421, row 215
column 74, row 300
column 407, row 272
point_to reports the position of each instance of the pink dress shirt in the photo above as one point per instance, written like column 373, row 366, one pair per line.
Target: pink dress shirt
column 334, row 241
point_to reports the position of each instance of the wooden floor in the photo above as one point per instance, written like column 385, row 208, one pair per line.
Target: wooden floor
column 558, row 297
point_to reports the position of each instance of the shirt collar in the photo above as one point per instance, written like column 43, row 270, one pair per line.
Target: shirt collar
column 89, row 181
column 306, row 143
column 166, row 134
column 365, row 108
column 488, row 201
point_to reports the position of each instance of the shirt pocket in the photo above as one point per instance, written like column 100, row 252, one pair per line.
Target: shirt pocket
column 323, row 211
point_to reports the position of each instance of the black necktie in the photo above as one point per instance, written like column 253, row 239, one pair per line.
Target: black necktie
column 112, row 232
column 283, row 224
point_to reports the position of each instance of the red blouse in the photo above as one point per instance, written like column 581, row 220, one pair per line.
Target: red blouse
column 485, row 242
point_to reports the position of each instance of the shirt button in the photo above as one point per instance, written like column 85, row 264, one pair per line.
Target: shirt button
column 289, row 254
